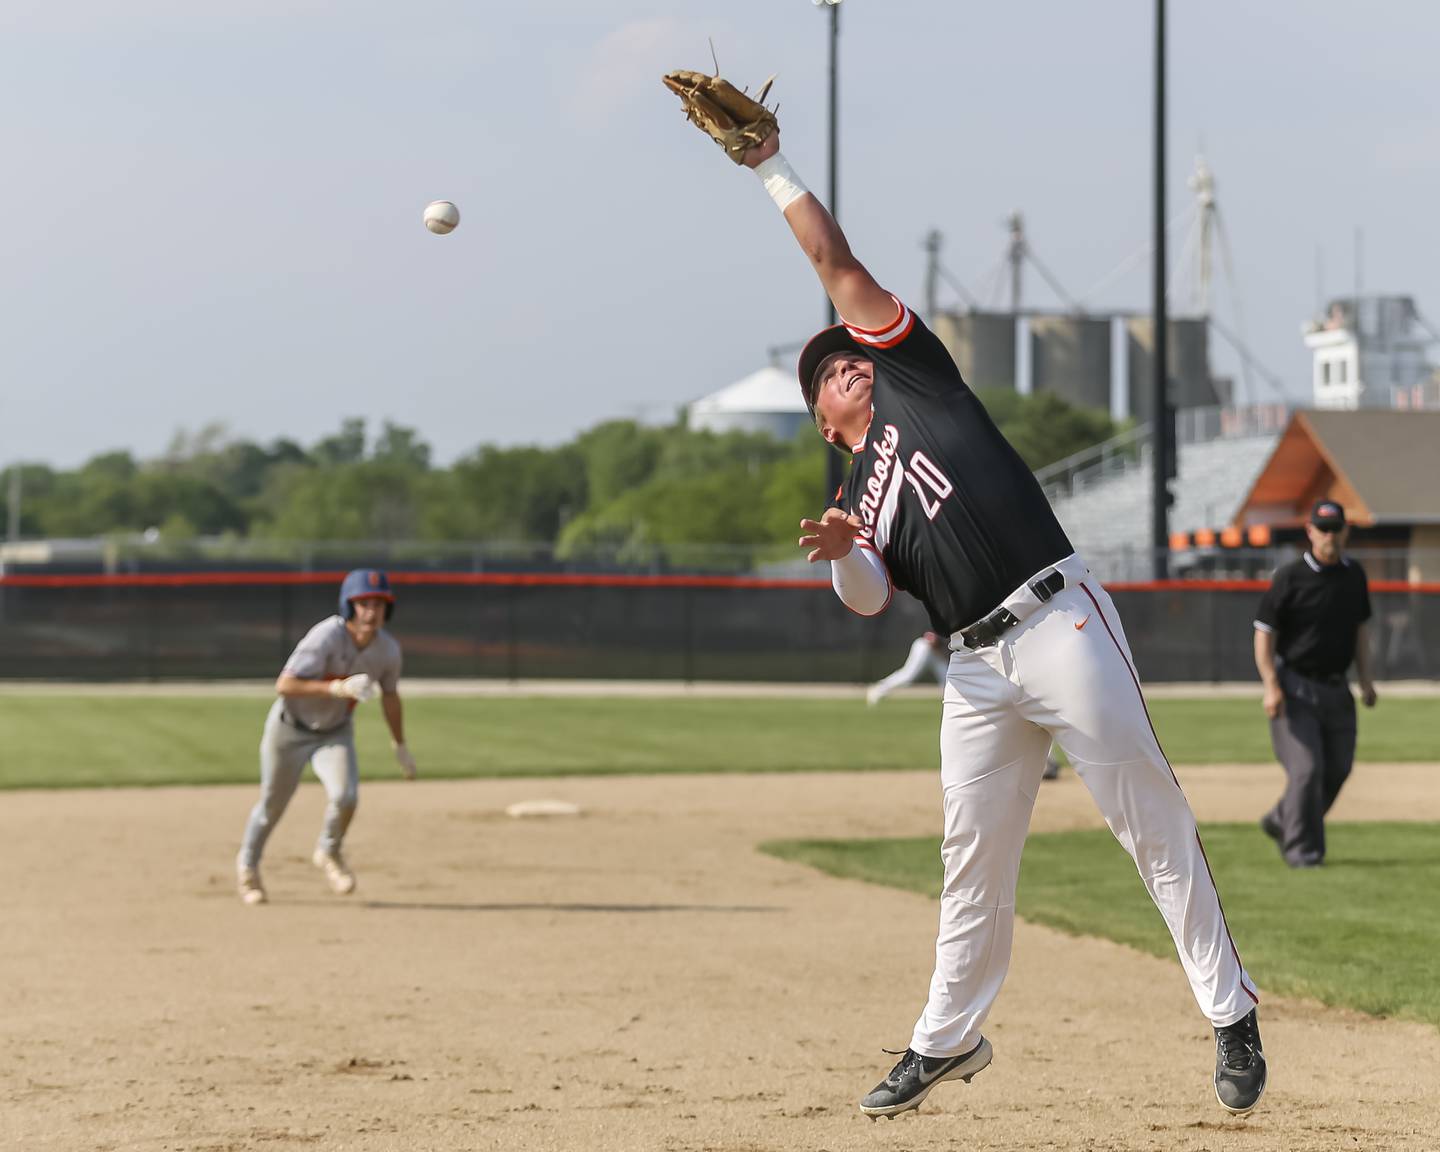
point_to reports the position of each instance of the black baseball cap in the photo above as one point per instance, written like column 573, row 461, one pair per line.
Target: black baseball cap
column 824, row 343
column 1328, row 516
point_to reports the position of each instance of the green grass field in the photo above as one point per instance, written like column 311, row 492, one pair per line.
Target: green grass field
column 1362, row 932
column 80, row 741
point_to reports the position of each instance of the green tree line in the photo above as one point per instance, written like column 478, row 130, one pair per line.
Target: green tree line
column 618, row 487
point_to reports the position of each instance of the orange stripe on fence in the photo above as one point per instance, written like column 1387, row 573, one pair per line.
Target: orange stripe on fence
column 1187, row 585
column 1248, row 586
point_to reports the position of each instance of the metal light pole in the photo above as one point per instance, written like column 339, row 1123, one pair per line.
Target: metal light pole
column 834, row 464
column 1162, row 432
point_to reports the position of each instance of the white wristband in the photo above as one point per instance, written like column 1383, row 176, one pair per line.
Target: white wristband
column 780, row 180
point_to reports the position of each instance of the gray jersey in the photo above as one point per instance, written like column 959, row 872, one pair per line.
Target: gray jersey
column 328, row 652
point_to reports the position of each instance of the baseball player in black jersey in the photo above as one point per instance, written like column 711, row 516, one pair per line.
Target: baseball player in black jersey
column 938, row 504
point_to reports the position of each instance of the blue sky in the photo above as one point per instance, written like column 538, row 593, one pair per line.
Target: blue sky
column 212, row 212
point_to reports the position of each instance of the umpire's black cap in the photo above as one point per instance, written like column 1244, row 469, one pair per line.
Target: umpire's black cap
column 825, row 343
column 1328, row 516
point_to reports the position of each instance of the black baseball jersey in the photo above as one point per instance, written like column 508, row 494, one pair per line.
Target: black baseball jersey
column 1315, row 611
column 956, row 515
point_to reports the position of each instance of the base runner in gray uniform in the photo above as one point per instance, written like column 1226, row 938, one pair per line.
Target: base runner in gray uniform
column 343, row 661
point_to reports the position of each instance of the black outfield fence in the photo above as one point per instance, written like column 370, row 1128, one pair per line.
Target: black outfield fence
column 219, row 625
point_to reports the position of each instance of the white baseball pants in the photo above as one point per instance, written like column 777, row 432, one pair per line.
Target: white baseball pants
column 1064, row 671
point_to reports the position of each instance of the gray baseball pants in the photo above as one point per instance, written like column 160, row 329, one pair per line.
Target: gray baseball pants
column 284, row 752
column 1314, row 739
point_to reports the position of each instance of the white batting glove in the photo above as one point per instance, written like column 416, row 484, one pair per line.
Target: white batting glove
column 360, row 687
column 405, row 760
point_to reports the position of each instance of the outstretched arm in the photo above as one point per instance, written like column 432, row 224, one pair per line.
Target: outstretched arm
column 857, row 297
column 750, row 135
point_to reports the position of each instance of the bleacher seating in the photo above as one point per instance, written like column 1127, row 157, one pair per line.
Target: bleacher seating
column 1108, row 520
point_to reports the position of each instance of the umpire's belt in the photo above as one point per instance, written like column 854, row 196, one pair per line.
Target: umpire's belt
column 1036, row 591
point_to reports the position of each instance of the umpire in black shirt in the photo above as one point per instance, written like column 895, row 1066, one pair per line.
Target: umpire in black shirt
column 1309, row 627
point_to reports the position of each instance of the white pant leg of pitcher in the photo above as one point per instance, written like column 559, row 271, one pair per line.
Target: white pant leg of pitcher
column 991, row 762
column 1081, row 683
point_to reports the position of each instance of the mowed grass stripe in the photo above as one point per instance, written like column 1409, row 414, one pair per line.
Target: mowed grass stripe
column 1362, row 932
column 68, row 741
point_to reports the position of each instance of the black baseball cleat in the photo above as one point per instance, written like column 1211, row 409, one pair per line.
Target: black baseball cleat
column 1239, row 1065
column 1271, row 827
column 910, row 1080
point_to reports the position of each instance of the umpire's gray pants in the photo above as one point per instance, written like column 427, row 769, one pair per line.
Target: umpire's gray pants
column 1314, row 739
column 284, row 752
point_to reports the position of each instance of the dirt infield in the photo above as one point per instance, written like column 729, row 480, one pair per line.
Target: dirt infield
column 635, row 978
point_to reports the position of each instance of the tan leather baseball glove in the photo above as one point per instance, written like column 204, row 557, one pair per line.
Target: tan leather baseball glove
column 723, row 112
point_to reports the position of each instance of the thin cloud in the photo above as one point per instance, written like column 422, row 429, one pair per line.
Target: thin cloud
column 625, row 66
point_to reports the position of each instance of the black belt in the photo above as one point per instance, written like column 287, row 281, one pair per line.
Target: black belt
column 286, row 718
column 984, row 633
column 1318, row 677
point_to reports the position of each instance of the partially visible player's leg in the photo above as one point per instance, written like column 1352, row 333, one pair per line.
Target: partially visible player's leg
column 1340, row 734
column 284, row 752
column 907, row 673
column 990, row 765
column 1081, row 683
column 991, row 762
column 939, row 664
column 1298, row 737
column 338, row 770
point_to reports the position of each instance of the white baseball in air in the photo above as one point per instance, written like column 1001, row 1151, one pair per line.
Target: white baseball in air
column 441, row 217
